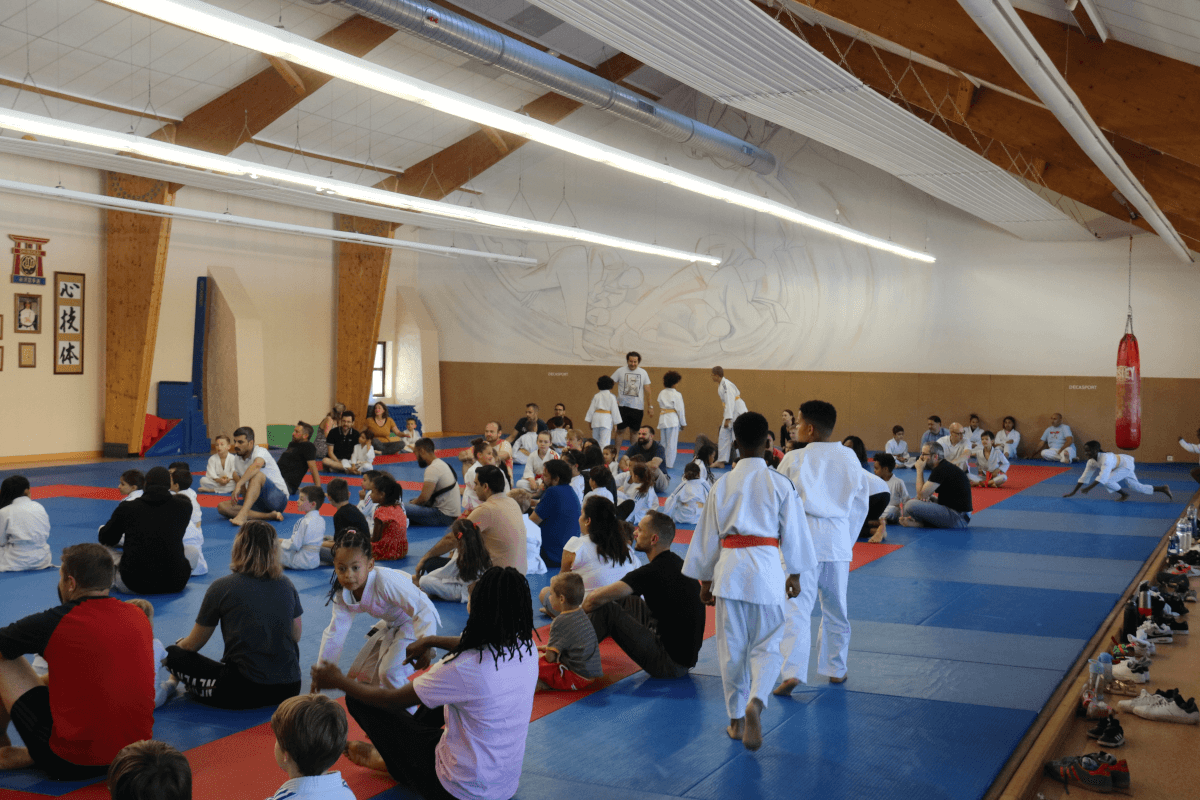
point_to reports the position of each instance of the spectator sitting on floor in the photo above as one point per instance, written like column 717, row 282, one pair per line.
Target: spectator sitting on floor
column 382, row 431
column 439, row 502
column 24, row 528
column 1057, row 442
column 953, row 506
column 299, row 459
column 260, row 484
column 341, row 444
column 933, row 430
column 956, row 447
column 154, row 560
column 310, row 736
column 571, row 658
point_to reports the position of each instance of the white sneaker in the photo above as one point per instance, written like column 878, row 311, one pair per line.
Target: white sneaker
column 1153, row 632
column 1136, row 673
column 1165, row 709
column 1141, row 700
column 1141, row 645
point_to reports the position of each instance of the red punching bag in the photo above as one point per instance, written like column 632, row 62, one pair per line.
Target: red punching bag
column 1129, row 391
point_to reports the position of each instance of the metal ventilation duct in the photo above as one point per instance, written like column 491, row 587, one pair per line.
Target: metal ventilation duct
column 484, row 44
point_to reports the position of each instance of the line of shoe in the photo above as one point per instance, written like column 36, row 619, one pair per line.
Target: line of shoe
column 1163, row 706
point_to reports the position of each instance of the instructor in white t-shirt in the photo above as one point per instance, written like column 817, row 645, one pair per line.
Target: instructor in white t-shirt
column 482, row 692
column 258, row 477
column 631, row 382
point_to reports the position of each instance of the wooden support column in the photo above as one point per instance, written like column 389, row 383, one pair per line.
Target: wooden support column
column 135, row 263
column 362, row 275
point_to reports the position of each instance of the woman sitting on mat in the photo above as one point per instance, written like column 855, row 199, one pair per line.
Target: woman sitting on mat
column 383, row 431
column 482, row 691
column 259, row 611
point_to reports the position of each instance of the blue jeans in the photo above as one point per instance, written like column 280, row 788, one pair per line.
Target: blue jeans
column 933, row 515
column 270, row 498
column 427, row 516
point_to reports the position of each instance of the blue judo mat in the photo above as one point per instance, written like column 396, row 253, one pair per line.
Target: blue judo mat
column 959, row 639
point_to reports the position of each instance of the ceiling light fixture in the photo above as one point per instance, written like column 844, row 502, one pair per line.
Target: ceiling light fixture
column 232, row 220
column 121, row 142
column 1000, row 22
column 239, row 30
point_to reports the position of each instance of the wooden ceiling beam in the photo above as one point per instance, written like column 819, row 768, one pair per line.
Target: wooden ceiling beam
column 1128, row 91
column 449, row 169
column 1020, row 137
column 245, row 110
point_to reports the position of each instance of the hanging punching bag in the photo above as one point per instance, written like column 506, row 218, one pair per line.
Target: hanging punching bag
column 1129, row 391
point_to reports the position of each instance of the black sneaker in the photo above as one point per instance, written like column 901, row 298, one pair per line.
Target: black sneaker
column 1101, row 729
column 1112, row 736
column 1177, row 626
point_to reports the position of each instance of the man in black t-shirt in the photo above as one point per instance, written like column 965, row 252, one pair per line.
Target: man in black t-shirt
column 663, row 628
column 341, row 443
column 299, row 458
column 530, row 423
column 654, row 454
column 950, row 484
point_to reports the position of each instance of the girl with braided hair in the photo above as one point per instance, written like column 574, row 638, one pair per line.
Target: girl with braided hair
column 482, row 692
column 259, row 611
column 404, row 612
column 470, row 559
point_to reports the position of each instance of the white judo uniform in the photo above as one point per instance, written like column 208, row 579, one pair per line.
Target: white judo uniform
column 899, row 493
column 193, row 539
column 1191, row 448
column 671, row 418
column 834, row 489
column 218, row 469
column 363, row 457
column 748, row 579
column 899, row 451
column 602, row 415
column 405, row 614
column 302, row 550
column 994, row 462
column 1112, row 470
column 734, row 407
column 686, row 503
column 524, row 446
column 24, row 536
column 534, row 468
column 1009, row 442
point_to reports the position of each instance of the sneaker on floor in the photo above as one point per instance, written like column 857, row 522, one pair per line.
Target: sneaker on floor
column 1085, row 771
column 1140, row 700
column 1131, row 672
column 1189, row 596
column 1178, row 627
column 1168, row 709
column 1118, row 770
column 1153, row 632
column 1100, row 729
column 1112, row 736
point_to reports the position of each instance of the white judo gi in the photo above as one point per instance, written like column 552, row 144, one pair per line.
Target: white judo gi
column 686, row 503
column 734, row 407
column 671, row 418
column 1111, row 470
column 899, row 451
column 1008, row 441
column 217, row 468
column 602, row 415
column 994, row 462
column 405, row 614
column 749, row 581
column 834, row 488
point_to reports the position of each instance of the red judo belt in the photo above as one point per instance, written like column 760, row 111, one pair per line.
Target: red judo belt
column 737, row 540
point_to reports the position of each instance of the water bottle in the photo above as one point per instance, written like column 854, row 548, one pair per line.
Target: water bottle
column 1096, row 682
column 1106, row 662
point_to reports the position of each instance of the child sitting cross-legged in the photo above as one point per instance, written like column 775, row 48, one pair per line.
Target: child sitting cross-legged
column 571, row 658
column 310, row 736
column 303, row 549
column 164, row 682
column 470, row 559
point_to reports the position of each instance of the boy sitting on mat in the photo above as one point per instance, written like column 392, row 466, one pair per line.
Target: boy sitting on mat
column 310, row 736
column 571, row 659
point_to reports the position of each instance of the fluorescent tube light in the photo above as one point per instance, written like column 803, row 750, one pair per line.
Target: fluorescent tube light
column 1000, row 23
column 195, row 215
column 244, row 32
column 126, row 143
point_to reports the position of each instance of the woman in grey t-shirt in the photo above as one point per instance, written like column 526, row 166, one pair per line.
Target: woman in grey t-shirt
column 259, row 611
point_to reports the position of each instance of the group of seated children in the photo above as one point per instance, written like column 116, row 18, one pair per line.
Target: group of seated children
column 990, row 451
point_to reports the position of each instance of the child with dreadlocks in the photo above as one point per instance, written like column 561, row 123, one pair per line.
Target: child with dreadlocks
column 405, row 613
column 470, row 559
column 482, row 692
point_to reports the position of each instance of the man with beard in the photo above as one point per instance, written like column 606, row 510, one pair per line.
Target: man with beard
column 101, row 655
column 438, row 503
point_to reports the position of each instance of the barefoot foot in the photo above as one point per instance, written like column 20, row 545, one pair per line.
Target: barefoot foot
column 364, row 754
column 15, row 758
column 909, row 522
column 752, row 732
column 787, row 687
column 735, row 729
column 239, row 521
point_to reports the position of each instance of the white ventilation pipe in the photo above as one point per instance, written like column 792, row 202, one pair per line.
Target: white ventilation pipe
column 481, row 43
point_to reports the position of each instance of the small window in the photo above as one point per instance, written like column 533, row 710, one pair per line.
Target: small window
column 378, row 368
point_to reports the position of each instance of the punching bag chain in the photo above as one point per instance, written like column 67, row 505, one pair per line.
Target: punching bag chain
column 1129, row 311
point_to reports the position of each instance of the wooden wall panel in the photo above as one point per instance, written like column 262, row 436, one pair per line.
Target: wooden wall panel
column 135, row 262
column 362, row 273
column 868, row 403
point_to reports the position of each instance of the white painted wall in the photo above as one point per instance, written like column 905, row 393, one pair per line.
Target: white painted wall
column 52, row 413
column 785, row 298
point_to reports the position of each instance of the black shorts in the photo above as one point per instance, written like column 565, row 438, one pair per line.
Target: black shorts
column 630, row 418
column 34, row 723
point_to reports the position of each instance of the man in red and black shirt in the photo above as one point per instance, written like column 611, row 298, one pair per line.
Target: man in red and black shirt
column 101, row 692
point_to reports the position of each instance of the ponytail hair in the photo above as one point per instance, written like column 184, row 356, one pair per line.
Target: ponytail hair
column 473, row 558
